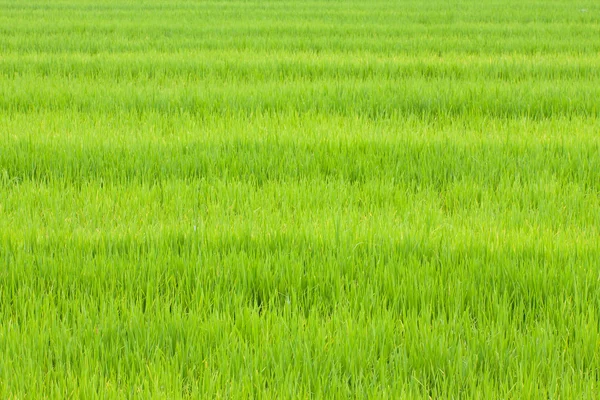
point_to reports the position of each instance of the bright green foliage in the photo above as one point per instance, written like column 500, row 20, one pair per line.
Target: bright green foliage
column 297, row 199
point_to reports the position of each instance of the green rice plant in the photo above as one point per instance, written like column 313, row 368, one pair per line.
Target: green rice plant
column 310, row 199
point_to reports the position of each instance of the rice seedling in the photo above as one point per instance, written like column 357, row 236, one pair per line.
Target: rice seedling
column 275, row 199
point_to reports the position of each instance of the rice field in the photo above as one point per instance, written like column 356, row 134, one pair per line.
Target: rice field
column 299, row 199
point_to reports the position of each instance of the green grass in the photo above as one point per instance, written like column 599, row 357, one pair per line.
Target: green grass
column 277, row 199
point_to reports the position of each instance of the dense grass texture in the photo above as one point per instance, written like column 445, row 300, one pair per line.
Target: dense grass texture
column 300, row 199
